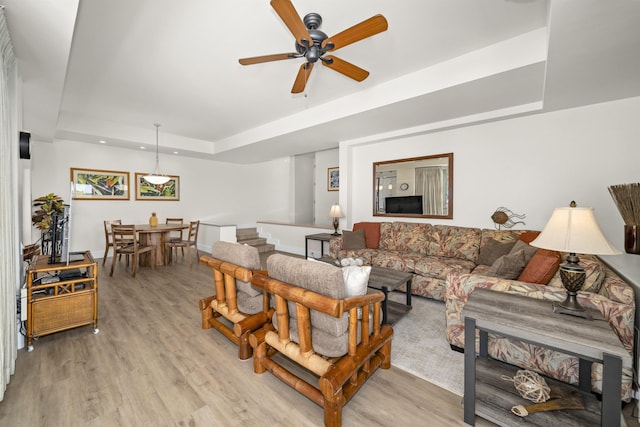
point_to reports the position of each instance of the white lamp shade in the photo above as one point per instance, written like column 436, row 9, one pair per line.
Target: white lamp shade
column 574, row 230
column 156, row 179
column 336, row 212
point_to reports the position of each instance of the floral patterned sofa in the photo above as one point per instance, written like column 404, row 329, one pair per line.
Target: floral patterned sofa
column 428, row 251
column 445, row 262
column 614, row 299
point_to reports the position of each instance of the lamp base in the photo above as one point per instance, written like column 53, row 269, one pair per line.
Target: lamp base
column 336, row 223
column 558, row 307
column 573, row 277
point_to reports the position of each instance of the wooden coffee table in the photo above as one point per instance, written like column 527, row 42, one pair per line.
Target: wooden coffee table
column 386, row 279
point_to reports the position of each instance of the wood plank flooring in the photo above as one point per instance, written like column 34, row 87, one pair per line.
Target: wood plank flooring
column 153, row 365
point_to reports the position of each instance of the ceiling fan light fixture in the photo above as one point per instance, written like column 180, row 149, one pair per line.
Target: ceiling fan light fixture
column 312, row 44
column 156, row 177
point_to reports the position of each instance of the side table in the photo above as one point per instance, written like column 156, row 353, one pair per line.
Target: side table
column 533, row 321
column 321, row 237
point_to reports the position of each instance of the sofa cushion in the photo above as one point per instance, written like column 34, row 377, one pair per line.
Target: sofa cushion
column 492, row 250
column 371, row 233
column 366, row 254
column 504, row 235
column 249, row 304
column 404, row 237
column 440, row 267
column 454, row 242
column 353, row 239
column 411, row 237
column 393, row 260
column 242, row 255
column 387, row 241
column 320, row 277
column 508, row 266
column 541, row 268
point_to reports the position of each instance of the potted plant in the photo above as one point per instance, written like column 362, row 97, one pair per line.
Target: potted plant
column 46, row 207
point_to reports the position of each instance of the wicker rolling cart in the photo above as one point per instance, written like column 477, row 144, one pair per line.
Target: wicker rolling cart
column 61, row 296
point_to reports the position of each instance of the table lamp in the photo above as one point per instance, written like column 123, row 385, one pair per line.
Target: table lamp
column 336, row 213
column 573, row 230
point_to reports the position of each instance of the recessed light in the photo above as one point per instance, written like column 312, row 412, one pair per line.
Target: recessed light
column 175, row 152
column 143, row 148
column 102, row 141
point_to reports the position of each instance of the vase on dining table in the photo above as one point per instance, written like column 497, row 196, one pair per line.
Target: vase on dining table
column 153, row 220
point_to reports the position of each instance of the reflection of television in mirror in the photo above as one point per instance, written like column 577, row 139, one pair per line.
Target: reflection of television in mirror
column 403, row 205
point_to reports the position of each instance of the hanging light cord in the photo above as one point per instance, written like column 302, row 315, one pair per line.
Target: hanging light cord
column 157, row 157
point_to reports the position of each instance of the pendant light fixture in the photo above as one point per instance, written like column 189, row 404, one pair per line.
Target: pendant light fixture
column 156, row 177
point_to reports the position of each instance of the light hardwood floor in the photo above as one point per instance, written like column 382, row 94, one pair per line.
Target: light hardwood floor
column 153, row 365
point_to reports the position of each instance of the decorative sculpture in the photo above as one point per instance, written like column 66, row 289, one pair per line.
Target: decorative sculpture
column 503, row 216
column 533, row 387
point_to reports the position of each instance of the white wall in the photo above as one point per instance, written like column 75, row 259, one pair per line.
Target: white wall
column 219, row 192
column 303, row 188
column 291, row 238
column 324, row 199
column 529, row 164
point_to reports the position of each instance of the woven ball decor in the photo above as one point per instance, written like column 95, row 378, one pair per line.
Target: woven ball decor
column 531, row 386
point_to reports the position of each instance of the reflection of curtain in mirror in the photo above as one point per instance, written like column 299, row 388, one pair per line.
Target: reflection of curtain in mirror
column 430, row 183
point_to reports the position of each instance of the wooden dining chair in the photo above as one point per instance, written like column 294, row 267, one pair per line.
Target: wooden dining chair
column 177, row 235
column 108, row 237
column 192, row 240
column 125, row 242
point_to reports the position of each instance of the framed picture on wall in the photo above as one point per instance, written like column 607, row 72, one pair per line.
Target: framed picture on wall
column 147, row 191
column 333, row 179
column 94, row 184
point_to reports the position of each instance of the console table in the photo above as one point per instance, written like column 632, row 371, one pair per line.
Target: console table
column 533, row 321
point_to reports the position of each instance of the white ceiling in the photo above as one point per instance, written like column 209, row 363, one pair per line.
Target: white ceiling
column 109, row 70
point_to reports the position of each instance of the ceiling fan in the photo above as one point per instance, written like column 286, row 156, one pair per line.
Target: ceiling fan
column 313, row 44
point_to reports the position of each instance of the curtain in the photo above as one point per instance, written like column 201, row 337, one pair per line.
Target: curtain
column 430, row 183
column 10, row 256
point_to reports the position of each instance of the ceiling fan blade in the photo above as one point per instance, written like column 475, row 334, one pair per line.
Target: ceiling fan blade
column 303, row 76
column 346, row 68
column 291, row 18
column 367, row 28
column 267, row 58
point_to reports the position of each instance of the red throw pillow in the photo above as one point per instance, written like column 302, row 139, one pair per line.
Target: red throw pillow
column 528, row 236
column 371, row 233
column 541, row 268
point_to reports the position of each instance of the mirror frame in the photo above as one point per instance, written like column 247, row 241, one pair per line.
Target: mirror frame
column 448, row 156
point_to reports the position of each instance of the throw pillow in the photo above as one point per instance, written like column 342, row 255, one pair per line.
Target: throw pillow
column 528, row 236
column 529, row 251
column 356, row 280
column 371, row 233
column 508, row 266
column 353, row 239
column 492, row 250
column 541, row 268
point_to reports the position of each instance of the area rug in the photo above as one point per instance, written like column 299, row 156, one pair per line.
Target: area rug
column 420, row 348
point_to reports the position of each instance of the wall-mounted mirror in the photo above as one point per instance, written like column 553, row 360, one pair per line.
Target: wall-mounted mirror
column 420, row 187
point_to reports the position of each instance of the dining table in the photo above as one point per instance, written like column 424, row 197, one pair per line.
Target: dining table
column 156, row 236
